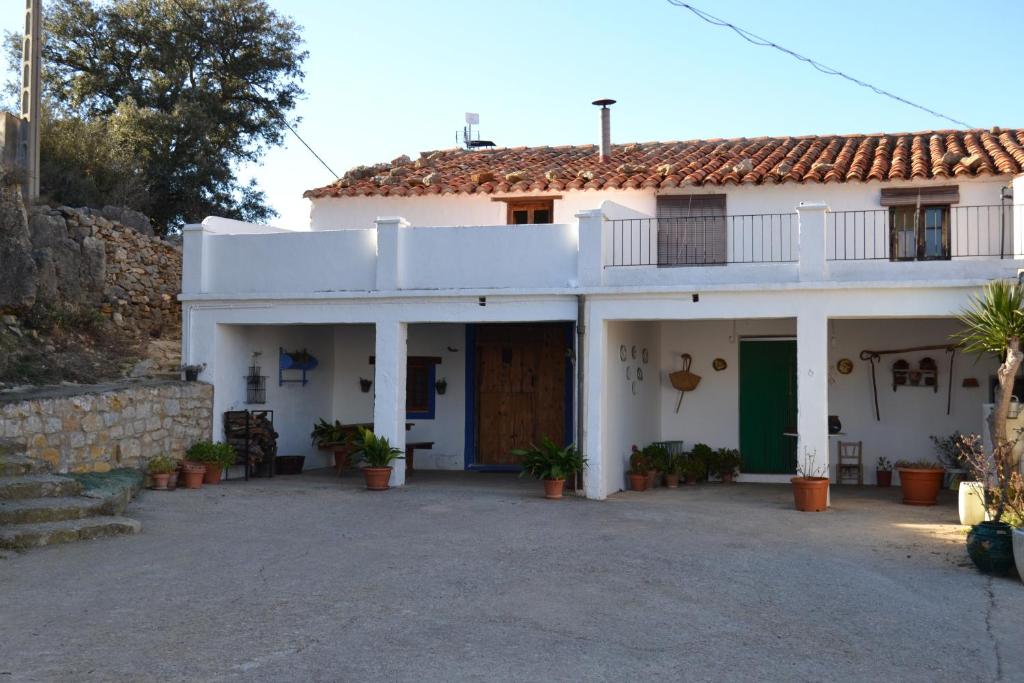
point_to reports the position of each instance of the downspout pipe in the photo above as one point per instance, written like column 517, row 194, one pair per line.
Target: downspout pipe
column 581, row 384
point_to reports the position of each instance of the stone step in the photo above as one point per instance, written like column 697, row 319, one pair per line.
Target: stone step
column 38, row 510
column 37, row 486
column 22, row 536
column 19, row 466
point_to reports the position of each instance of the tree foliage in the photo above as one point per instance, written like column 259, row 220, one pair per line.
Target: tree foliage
column 156, row 102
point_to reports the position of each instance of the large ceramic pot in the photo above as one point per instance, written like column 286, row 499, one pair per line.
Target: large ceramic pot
column 672, row 480
column 652, row 478
column 727, row 478
column 377, row 478
column 884, row 478
column 971, row 503
column 637, row 482
column 1018, row 551
column 810, row 494
column 990, row 545
column 553, row 488
column 920, row 486
column 213, row 472
column 160, row 481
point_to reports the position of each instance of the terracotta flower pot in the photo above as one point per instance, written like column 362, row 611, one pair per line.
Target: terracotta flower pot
column 341, row 461
column 553, row 488
column 810, row 494
column 652, row 478
column 671, row 480
column 691, row 479
column 727, row 477
column 213, row 472
column 637, row 482
column 920, row 486
column 193, row 476
column 377, row 478
column 884, row 478
column 160, row 481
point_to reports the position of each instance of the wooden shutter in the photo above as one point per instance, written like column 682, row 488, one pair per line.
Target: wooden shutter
column 691, row 229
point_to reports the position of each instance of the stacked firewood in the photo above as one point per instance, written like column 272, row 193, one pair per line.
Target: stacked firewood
column 252, row 434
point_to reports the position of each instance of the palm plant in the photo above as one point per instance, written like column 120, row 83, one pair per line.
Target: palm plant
column 375, row 450
column 550, row 462
column 994, row 323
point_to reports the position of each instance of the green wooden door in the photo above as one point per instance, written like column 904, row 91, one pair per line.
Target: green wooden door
column 768, row 405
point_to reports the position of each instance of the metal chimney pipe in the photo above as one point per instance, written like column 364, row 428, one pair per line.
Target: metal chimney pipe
column 606, row 128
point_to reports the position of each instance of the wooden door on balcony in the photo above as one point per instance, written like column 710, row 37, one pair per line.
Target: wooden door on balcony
column 521, row 388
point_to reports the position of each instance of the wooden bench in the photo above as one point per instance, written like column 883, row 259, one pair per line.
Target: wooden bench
column 410, row 453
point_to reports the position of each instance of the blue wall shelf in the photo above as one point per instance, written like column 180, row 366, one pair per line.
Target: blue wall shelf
column 288, row 361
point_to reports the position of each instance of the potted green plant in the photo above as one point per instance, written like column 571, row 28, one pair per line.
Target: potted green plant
column 810, row 485
column 693, row 469
column 377, row 454
column 729, row 462
column 994, row 324
column 550, row 464
column 657, row 462
column 192, row 371
column 883, row 473
column 638, row 468
column 706, row 455
column 192, row 474
column 160, row 469
column 920, row 481
column 333, row 436
column 215, row 456
column 676, row 468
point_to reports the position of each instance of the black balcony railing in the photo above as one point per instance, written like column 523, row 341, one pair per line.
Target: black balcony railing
column 703, row 240
column 931, row 233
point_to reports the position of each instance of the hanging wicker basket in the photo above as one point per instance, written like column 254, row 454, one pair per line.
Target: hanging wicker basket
column 684, row 380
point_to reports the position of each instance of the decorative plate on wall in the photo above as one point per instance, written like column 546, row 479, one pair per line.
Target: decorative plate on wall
column 719, row 364
column 644, row 356
column 629, row 372
column 622, row 353
column 844, row 366
column 640, row 374
column 634, row 388
column 632, row 352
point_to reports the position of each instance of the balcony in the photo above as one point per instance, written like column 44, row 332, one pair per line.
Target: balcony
column 604, row 249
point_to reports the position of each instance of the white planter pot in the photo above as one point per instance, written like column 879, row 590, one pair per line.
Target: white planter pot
column 971, row 503
column 1018, row 551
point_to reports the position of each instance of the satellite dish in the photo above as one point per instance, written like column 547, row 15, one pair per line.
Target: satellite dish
column 472, row 119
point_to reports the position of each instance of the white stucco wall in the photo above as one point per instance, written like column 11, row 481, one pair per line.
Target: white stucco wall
column 629, row 418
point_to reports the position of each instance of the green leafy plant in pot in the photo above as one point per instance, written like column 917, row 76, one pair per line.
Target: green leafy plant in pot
column 706, row 455
column 215, row 457
column 639, row 465
column 994, row 324
column 333, row 436
column 675, row 471
column 377, row 454
column 883, row 473
column 728, row 461
column 693, row 469
column 160, row 469
column 810, row 485
column 551, row 464
column 658, row 463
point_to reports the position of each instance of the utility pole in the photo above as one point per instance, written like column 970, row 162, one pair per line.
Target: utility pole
column 31, row 62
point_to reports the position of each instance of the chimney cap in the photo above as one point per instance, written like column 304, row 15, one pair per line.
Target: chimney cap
column 603, row 103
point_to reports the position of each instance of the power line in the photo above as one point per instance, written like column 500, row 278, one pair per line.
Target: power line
column 764, row 42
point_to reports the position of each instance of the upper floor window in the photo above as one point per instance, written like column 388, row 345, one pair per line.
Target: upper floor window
column 529, row 211
column 691, row 229
column 919, row 221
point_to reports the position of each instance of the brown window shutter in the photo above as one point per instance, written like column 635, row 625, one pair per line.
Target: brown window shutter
column 914, row 196
column 691, row 229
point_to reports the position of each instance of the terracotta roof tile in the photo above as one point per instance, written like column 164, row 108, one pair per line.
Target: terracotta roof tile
column 747, row 161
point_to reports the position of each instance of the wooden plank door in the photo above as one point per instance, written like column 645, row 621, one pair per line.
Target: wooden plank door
column 768, row 405
column 520, row 388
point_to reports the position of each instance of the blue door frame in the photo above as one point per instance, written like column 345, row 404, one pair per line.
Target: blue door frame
column 469, row 451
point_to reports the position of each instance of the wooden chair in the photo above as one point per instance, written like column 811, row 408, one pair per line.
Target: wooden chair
column 851, row 463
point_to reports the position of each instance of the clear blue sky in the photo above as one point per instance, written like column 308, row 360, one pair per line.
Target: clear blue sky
column 386, row 78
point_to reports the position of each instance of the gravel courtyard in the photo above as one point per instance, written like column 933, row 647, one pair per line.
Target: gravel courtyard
column 475, row 577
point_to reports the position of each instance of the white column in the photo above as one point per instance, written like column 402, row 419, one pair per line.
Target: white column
column 812, row 391
column 590, row 263
column 813, row 266
column 389, row 252
column 594, row 478
column 193, row 255
column 389, row 390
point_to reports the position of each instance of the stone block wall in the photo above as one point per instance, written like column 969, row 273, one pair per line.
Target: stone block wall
column 107, row 426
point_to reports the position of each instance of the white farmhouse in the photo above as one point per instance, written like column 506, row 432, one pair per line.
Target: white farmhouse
column 495, row 296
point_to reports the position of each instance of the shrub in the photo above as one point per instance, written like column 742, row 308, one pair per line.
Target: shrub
column 210, row 452
column 161, row 464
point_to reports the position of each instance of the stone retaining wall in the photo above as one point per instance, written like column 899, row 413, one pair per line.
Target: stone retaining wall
column 98, row 428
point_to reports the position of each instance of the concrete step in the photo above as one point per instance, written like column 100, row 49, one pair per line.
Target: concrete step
column 38, row 510
column 37, row 486
column 19, row 466
column 22, row 536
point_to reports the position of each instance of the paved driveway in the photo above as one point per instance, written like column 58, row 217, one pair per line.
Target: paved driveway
column 474, row 577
